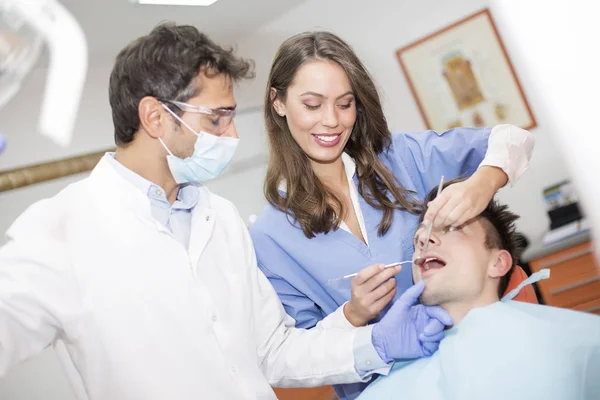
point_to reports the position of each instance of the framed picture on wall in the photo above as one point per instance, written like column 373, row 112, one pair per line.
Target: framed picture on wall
column 461, row 75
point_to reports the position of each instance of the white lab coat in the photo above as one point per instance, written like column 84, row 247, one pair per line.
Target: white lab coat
column 140, row 316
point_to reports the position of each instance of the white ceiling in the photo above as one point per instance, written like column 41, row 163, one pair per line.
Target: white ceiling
column 110, row 24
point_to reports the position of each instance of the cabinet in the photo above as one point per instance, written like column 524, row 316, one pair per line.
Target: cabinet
column 574, row 278
column 319, row 393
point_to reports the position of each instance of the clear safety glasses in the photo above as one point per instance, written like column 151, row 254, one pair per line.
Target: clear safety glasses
column 211, row 120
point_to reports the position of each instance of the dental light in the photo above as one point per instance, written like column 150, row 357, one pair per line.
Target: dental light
column 25, row 26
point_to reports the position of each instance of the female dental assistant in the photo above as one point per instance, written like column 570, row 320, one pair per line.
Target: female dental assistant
column 344, row 191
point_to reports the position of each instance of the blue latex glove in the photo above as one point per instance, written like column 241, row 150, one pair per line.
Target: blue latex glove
column 2, row 143
column 410, row 331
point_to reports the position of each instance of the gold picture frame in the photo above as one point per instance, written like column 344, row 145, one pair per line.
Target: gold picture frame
column 461, row 75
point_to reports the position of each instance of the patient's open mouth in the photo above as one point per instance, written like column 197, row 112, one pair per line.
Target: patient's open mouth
column 432, row 262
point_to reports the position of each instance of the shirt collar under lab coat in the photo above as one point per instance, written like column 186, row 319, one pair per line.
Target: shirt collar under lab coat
column 187, row 195
column 117, row 190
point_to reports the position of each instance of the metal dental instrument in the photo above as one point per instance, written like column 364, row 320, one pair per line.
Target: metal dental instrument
column 420, row 260
column 356, row 273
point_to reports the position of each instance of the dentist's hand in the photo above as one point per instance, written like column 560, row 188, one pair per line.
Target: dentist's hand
column 410, row 331
column 372, row 289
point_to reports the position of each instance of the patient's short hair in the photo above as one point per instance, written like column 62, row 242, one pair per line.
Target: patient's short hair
column 500, row 230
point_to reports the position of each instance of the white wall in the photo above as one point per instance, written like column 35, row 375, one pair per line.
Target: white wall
column 18, row 121
column 19, row 118
column 376, row 29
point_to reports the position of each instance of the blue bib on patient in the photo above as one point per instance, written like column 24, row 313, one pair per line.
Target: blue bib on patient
column 508, row 350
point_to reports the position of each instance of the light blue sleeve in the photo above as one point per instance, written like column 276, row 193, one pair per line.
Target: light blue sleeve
column 429, row 155
column 297, row 305
column 366, row 358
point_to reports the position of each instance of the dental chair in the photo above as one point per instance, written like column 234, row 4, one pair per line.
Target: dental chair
column 527, row 294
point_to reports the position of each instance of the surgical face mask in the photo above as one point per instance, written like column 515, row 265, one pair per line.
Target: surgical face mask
column 211, row 156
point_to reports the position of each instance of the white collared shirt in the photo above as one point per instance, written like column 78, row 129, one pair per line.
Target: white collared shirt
column 176, row 217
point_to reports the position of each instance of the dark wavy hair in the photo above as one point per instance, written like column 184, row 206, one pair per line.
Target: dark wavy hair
column 163, row 64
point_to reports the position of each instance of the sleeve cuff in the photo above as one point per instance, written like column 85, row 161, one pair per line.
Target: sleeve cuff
column 366, row 359
column 510, row 149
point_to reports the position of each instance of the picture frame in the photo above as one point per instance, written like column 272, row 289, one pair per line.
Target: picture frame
column 461, row 75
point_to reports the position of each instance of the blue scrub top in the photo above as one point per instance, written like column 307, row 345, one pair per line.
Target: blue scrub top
column 299, row 268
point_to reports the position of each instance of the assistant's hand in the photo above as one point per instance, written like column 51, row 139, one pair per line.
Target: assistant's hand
column 462, row 201
column 372, row 289
column 410, row 331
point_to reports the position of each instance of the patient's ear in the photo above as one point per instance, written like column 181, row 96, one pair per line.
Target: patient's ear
column 500, row 265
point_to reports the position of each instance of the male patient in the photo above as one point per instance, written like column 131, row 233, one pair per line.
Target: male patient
column 496, row 349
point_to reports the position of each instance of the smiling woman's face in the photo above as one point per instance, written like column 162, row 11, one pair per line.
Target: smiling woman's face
column 320, row 110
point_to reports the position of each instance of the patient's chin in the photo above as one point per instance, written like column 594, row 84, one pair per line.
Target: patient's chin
column 429, row 299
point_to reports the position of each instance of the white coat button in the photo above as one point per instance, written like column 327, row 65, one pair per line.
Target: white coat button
column 207, row 219
column 158, row 193
column 369, row 362
column 233, row 370
column 214, row 318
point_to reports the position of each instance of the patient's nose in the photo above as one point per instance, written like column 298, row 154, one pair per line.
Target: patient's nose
column 434, row 240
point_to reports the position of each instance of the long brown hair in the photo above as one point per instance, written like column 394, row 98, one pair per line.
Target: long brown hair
column 308, row 200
